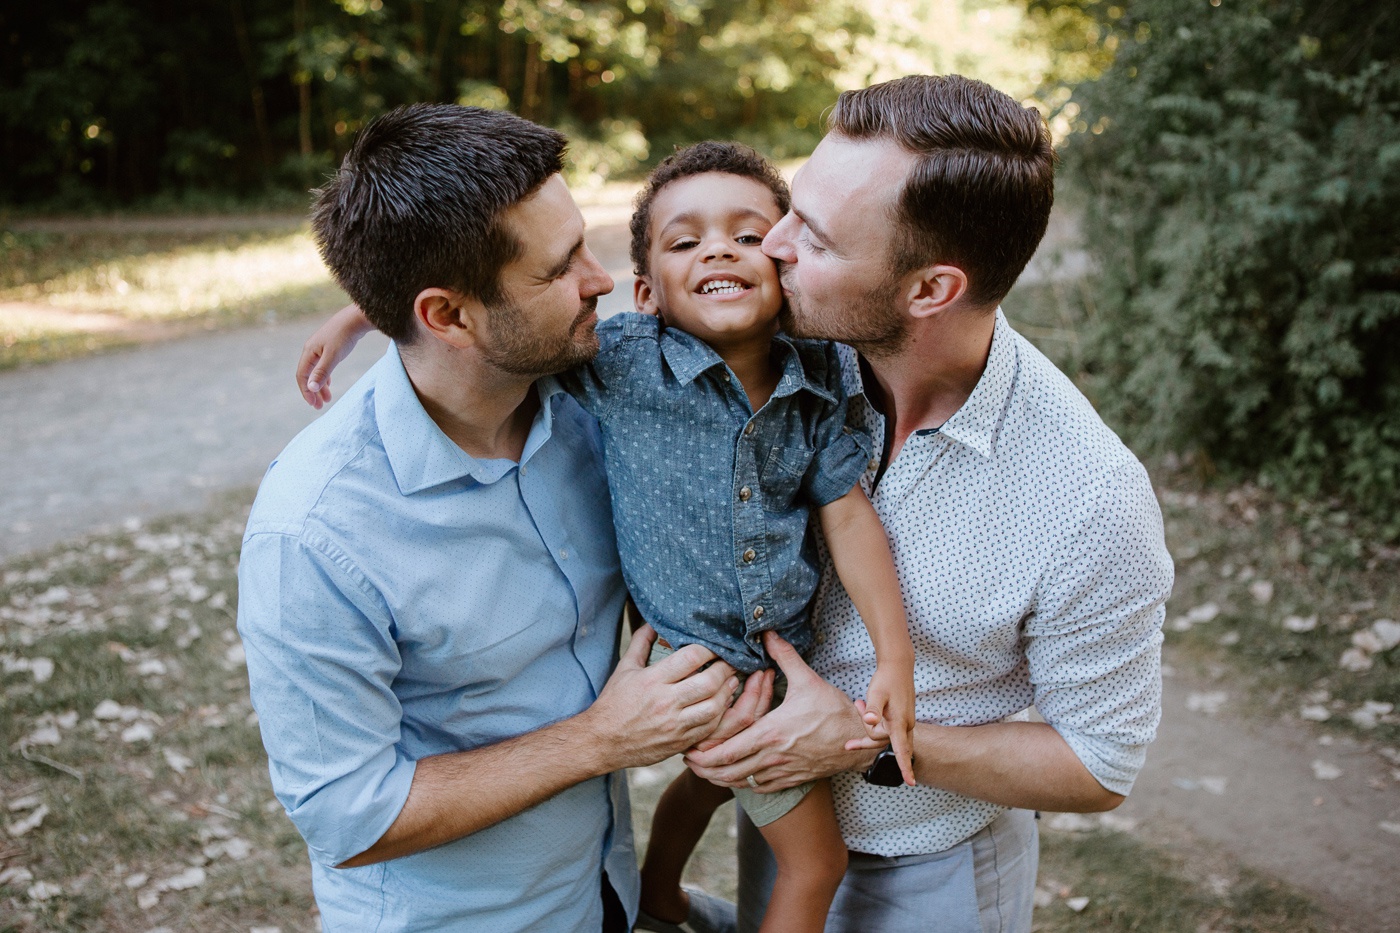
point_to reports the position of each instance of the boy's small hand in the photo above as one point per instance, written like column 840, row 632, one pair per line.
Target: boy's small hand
column 324, row 351
column 889, row 711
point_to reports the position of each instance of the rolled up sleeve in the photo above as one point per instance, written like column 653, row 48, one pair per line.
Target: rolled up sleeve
column 321, row 661
column 1094, row 641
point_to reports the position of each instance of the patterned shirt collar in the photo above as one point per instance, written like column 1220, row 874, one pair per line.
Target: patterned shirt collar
column 419, row 453
column 976, row 423
column 688, row 357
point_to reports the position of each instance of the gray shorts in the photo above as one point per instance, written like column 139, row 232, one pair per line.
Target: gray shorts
column 762, row 809
column 984, row 884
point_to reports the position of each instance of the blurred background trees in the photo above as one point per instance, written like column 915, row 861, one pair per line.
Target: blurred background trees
column 1235, row 163
column 1241, row 161
column 116, row 100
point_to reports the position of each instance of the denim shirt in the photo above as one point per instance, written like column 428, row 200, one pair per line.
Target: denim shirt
column 711, row 500
column 400, row 599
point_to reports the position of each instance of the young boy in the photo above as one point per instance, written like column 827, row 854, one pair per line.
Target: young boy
column 721, row 436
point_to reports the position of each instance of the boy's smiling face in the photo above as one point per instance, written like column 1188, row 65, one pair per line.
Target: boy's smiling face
column 707, row 274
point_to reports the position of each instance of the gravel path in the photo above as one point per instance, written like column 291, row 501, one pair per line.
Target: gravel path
column 166, row 427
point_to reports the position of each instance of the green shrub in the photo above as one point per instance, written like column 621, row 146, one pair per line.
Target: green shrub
column 1242, row 161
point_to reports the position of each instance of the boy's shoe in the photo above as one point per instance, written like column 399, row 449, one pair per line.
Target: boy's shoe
column 708, row 914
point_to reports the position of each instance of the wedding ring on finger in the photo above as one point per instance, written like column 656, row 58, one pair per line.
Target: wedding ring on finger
column 752, row 782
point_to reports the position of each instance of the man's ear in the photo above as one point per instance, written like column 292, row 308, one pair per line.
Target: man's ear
column 644, row 296
column 934, row 289
column 450, row 316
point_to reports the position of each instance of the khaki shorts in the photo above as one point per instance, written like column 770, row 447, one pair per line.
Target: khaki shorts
column 761, row 809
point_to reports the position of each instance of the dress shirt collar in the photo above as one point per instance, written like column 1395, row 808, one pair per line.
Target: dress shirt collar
column 419, row 453
column 688, row 356
column 976, row 423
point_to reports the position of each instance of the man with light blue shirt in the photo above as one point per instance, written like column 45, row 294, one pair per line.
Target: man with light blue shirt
column 429, row 591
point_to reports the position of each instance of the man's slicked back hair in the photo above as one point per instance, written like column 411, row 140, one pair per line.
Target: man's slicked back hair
column 980, row 192
column 417, row 204
column 700, row 159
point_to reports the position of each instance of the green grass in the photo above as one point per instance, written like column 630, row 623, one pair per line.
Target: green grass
column 106, row 609
column 1132, row 886
column 91, row 288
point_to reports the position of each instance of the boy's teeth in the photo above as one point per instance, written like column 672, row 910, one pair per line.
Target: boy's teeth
column 724, row 287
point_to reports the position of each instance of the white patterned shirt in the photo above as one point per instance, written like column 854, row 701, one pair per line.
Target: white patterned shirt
column 1030, row 553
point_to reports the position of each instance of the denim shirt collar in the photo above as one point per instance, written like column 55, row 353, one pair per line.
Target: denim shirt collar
column 976, row 423
column 689, row 356
column 419, row 453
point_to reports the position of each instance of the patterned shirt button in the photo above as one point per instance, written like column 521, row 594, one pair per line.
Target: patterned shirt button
column 821, row 638
column 748, row 429
column 758, row 612
column 744, row 493
column 749, row 555
column 874, row 464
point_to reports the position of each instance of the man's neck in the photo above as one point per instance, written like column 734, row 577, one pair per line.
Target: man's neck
column 481, row 409
column 932, row 376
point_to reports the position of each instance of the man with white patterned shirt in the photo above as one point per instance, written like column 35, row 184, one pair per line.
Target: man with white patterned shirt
column 1027, row 537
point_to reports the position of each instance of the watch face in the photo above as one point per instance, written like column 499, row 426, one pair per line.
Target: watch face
column 885, row 771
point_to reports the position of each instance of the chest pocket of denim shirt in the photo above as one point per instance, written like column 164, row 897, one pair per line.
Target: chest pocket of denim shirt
column 781, row 476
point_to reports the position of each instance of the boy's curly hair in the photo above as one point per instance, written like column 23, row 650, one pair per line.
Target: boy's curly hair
column 699, row 159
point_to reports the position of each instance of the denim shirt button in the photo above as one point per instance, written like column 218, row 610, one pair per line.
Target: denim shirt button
column 758, row 612
column 744, row 493
column 749, row 555
column 846, row 429
column 748, row 429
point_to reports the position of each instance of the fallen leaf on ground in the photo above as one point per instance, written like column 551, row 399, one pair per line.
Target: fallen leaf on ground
column 1325, row 770
column 1355, row 660
column 1206, row 612
column 178, row 763
column 15, row 876
column 1076, row 904
column 1043, row 898
column 136, row 880
column 44, row 735
column 1211, row 785
column 1390, row 827
column 189, row 878
column 30, row 822
column 1072, row 823
column 1262, row 590
column 1300, row 623
column 1368, row 714
column 1387, row 632
column 43, row 891
column 138, row 732
column 1316, row 713
column 27, row 802
column 1208, row 703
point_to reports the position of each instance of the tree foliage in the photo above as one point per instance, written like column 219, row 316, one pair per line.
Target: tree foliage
column 1243, row 164
column 118, row 99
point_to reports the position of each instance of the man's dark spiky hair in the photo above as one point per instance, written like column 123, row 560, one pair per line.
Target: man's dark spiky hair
column 417, row 204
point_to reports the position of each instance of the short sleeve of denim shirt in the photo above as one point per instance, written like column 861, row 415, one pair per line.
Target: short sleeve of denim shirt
column 594, row 385
column 842, row 451
column 328, row 712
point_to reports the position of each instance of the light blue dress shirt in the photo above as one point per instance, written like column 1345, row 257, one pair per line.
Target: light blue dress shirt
column 400, row 599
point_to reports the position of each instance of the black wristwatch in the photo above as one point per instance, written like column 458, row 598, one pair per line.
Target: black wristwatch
column 884, row 770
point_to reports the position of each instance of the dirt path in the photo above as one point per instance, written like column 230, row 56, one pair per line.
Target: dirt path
column 1250, row 788
column 164, row 427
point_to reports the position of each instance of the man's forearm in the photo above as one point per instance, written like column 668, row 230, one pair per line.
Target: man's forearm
column 1027, row 765
column 459, row 793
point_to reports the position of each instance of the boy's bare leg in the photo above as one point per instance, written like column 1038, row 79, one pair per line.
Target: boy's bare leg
column 811, row 857
column 682, row 814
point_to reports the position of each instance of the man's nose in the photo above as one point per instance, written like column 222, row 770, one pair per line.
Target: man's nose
column 596, row 281
column 778, row 243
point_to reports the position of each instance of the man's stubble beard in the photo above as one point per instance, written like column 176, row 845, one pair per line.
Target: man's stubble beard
column 515, row 349
column 871, row 323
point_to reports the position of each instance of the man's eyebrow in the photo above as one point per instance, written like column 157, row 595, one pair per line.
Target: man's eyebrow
column 812, row 225
column 562, row 265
